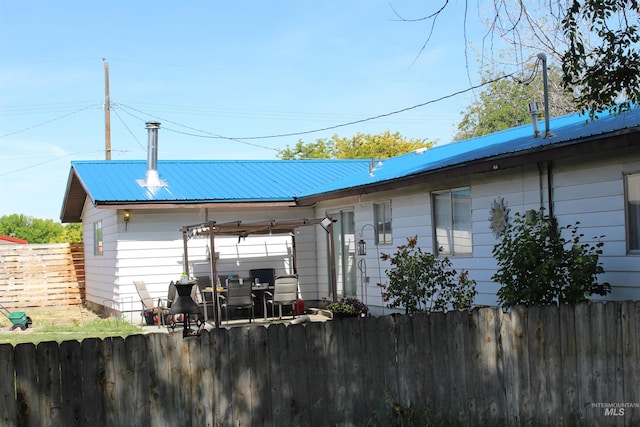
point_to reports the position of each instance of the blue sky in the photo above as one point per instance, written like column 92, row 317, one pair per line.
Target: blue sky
column 210, row 68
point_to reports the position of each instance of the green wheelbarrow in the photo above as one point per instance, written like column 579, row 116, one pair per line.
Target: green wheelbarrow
column 19, row 319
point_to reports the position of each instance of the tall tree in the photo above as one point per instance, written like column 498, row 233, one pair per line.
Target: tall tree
column 359, row 146
column 504, row 103
column 596, row 43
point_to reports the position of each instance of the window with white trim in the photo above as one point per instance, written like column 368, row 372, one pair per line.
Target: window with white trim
column 382, row 218
column 632, row 198
column 452, row 222
column 97, row 238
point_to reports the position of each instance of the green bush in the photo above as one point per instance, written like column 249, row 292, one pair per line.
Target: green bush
column 423, row 282
column 538, row 266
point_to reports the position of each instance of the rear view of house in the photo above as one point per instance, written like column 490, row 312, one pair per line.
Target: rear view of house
column 454, row 197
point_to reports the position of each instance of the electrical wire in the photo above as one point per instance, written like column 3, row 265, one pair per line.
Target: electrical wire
column 48, row 121
column 205, row 134
column 115, row 111
column 246, row 139
column 46, row 162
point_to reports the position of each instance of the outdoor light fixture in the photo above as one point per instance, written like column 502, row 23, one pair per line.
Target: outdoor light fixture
column 126, row 216
column 362, row 247
column 325, row 223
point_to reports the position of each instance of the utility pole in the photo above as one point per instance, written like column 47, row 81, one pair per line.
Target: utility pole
column 107, row 113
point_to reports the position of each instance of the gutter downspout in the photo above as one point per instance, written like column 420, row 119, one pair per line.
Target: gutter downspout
column 550, row 187
column 549, row 172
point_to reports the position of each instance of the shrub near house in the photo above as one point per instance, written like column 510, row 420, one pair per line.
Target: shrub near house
column 538, row 266
column 423, row 282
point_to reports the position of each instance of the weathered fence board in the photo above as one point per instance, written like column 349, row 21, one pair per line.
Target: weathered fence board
column 93, row 379
column 542, row 366
column 72, row 399
column 27, row 396
column 631, row 351
column 7, row 386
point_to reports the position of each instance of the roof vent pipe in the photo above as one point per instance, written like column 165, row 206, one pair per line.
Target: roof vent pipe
column 545, row 82
column 152, row 178
column 533, row 109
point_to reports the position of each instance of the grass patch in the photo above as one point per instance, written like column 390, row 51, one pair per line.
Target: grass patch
column 65, row 324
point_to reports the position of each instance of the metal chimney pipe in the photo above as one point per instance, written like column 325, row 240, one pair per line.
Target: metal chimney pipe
column 152, row 179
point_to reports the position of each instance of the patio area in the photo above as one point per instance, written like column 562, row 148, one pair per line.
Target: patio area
column 312, row 315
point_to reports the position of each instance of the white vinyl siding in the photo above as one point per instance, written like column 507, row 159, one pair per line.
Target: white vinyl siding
column 592, row 192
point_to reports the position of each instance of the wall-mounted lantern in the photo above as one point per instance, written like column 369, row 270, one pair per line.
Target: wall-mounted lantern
column 361, row 247
column 126, row 216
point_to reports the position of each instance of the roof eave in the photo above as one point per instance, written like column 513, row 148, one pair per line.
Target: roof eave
column 582, row 146
column 163, row 204
column 74, row 198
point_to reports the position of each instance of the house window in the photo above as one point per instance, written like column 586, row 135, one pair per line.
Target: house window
column 382, row 218
column 97, row 238
column 452, row 222
column 632, row 192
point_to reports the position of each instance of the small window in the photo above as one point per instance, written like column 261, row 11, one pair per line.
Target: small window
column 632, row 191
column 97, row 238
column 382, row 218
column 452, row 222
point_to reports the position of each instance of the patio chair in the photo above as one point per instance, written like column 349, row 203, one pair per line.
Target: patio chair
column 238, row 296
column 285, row 292
column 148, row 302
column 204, row 298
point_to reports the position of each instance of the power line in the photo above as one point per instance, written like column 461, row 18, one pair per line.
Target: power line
column 244, row 140
column 283, row 135
column 48, row 121
column 207, row 134
column 45, row 162
column 129, row 130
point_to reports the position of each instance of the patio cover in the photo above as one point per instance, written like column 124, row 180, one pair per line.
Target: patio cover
column 244, row 229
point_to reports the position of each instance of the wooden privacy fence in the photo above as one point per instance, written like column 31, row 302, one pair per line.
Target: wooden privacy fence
column 41, row 275
column 568, row 365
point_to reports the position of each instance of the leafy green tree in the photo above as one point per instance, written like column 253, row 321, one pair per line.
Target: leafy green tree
column 359, row 146
column 505, row 103
column 538, row 266
column 602, row 61
column 423, row 282
column 36, row 230
column 321, row 149
column 72, row 233
column 596, row 43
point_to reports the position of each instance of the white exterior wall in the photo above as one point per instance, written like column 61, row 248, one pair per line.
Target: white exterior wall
column 152, row 249
column 593, row 193
column 589, row 190
column 100, row 270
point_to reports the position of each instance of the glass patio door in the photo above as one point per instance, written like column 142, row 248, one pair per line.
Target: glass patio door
column 344, row 243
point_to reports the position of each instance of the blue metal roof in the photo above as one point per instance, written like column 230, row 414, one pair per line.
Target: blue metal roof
column 110, row 182
column 196, row 181
column 573, row 127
